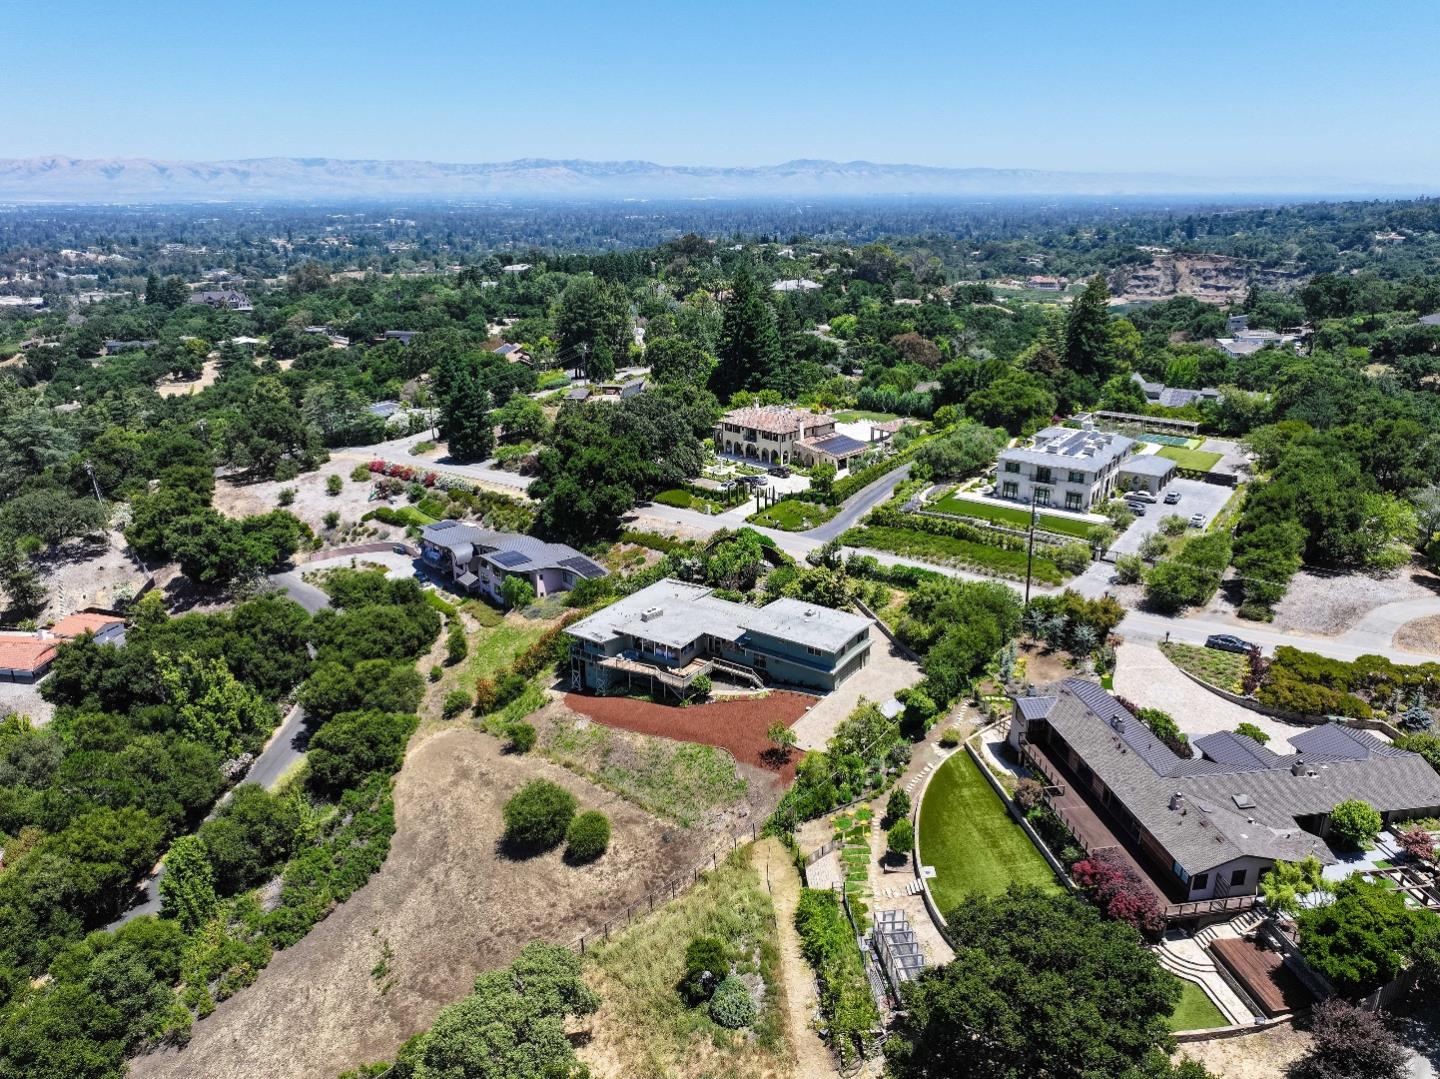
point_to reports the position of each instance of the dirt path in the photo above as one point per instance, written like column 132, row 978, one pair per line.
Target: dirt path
column 444, row 907
column 812, row 1059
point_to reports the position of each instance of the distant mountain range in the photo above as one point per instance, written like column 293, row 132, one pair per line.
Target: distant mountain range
column 69, row 179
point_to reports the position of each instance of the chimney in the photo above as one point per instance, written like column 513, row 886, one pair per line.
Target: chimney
column 1298, row 768
column 1118, row 722
column 1177, row 801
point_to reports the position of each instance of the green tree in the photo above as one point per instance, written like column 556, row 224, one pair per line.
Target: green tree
column 465, row 417
column 1365, row 936
column 212, row 706
column 1355, row 824
column 1251, row 731
column 521, row 418
column 822, row 481
column 511, row 1027
column 1350, row 1043
column 517, row 592
column 1286, row 884
column 587, row 837
column 456, row 647
column 537, row 817
column 592, row 327
column 1016, row 401
column 1087, row 330
column 674, row 359
column 964, row 449
column 352, row 745
column 749, row 357
column 1040, row 985
column 187, row 889
column 900, row 838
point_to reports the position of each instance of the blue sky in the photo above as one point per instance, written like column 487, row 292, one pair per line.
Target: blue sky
column 1265, row 88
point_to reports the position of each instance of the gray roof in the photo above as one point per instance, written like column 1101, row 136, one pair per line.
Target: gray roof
column 1240, row 799
column 384, row 409
column 1174, row 396
column 1082, row 450
column 675, row 613
column 1147, row 464
column 1430, row 320
column 509, row 552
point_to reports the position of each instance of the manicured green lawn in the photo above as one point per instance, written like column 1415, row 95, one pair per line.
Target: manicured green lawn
column 853, row 414
column 793, row 515
column 1195, row 1011
column 683, row 499
column 970, row 838
column 1199, row 460
column 948, row 550
column 1010, row 515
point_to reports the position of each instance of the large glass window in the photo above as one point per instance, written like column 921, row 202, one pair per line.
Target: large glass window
column 1009, row 490
column 1042, row 496
column 1073, row 500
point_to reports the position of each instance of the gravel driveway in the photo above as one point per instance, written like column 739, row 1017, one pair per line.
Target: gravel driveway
column 1147, row 679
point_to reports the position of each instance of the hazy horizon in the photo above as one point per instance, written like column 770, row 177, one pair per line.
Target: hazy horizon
column 1119, row 87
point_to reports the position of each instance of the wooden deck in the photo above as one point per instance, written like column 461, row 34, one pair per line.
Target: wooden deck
column 1263, row 973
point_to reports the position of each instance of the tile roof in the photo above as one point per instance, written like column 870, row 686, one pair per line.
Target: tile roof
column 775, row 419
column 1241, row 799
column 72, row 625
column 25, row 652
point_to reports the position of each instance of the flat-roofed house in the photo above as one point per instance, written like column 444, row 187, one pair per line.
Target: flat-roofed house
column 1073, row 469
column 1210, row 826
column 477, row 560
column 672, row 632
column 771, row 433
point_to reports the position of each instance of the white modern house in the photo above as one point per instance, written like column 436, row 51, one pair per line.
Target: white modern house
column 1069, row 468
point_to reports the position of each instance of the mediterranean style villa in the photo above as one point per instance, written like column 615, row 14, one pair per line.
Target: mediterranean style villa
column 671, row 633
column 1208, row 827
column 1077, row 468
column 477, row 560
column 774, row 434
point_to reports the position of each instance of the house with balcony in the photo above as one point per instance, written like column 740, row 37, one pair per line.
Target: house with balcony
column 773, row 434
column 1068, row 468
column 1204, row 830
column 667, row 635
column 477, row 560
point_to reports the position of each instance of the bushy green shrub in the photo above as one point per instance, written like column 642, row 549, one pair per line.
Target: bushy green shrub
column 536, row 818
column 520, row 737
column 1129, row 569
column 360, row 474
column 456, row 701
column 900, row 839
column 1355, row 824
column 732, row 1007
column 1071, row 558
column 950, row 738
column 700, row 687
column 588, row 836
column 706, row 964
column 897, row 806
column 828, row 944
column 334, row 484
column 456, row 647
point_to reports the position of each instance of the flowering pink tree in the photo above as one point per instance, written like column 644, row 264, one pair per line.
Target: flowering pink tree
column 1418, row 843
column 1119, row 892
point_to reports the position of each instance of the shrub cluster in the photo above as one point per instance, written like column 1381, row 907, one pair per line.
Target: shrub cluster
column 828, row 944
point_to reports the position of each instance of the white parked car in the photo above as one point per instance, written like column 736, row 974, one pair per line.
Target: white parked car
column 1197, row 520
column 1140, row 495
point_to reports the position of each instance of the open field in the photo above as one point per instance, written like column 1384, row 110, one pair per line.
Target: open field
column 645, row 1030
column 312, row 502
column 1195, row 1011
column 445, row 906
column 497, row 645
column 1199, row 460
column 971, row 840
column 736, row 726
column 1012, row 516
column 793, row 515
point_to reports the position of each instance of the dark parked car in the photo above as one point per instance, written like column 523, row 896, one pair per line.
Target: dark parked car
column 1228, row 642
column 783, row 471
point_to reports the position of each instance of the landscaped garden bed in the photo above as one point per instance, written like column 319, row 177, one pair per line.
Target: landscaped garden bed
column 969, row 837
column 792, row 515
column 951, row 551
column 1012, row 516
column 1225, row 670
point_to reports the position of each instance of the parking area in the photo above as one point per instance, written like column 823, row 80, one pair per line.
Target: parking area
column 1196, row 496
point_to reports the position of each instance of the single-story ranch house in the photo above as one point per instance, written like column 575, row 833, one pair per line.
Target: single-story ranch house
column 1210, row 826
column 774, row 434
column 477, row 560
column 672, row 632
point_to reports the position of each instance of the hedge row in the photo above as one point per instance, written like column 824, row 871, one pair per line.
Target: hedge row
column 967, row 529
column 828, row 944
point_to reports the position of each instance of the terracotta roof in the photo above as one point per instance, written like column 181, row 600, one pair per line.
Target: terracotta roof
column 25, row 652
column 775, row 419
column 72, row 625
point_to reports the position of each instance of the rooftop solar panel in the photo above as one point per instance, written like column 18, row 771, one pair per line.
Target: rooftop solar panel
column 583, row 566
column 511, row 558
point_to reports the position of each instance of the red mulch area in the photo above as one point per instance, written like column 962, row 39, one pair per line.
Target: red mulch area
column 737, row 726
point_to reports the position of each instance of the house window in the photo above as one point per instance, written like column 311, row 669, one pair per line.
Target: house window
column 1042, row 496
column 1199, row 882
column 1012, row 466
column 1009, row 489
column 1237, row 878
column 1042, row 475
column 1077, row 477
column 1073, row 500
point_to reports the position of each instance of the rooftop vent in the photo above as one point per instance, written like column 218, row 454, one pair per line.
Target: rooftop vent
column 1300, row 768
column 1243, row 801
column 1118, row 722
column 650, row 614
column 1177, row 801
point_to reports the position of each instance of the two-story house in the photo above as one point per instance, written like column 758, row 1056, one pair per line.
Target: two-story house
column 1071, row 469
column 772, row 433
column 670, row 633
column 477, row 560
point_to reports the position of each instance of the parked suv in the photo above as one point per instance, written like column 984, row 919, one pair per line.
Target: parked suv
column 783, row 471
column 1141, row 494
column 1172, row 497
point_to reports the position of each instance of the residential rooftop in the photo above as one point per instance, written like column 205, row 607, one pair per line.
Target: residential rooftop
column 1057, row 446
column 775, row 419
column 512, row 551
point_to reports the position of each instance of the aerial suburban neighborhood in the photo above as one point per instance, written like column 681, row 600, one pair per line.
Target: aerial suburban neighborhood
column 474, row 610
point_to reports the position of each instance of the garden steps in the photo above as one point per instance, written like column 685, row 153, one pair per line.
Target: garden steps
column 1235, row 927
column 1186, row 958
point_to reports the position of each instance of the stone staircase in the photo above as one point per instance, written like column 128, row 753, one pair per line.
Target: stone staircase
column 1235, row 927
column 1185, row 958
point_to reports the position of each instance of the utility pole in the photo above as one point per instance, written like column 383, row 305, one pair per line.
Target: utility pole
column 1030, row 550
column 90, row 471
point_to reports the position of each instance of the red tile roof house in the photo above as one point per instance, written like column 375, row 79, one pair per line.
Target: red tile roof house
column 27, row 657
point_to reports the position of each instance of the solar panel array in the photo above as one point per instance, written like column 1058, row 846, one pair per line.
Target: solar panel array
column 511, row 558
column 583, row 566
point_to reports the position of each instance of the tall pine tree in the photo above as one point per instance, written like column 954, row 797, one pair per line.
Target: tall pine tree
column 465, row 416
column 1087, row 331
column 750, row 356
